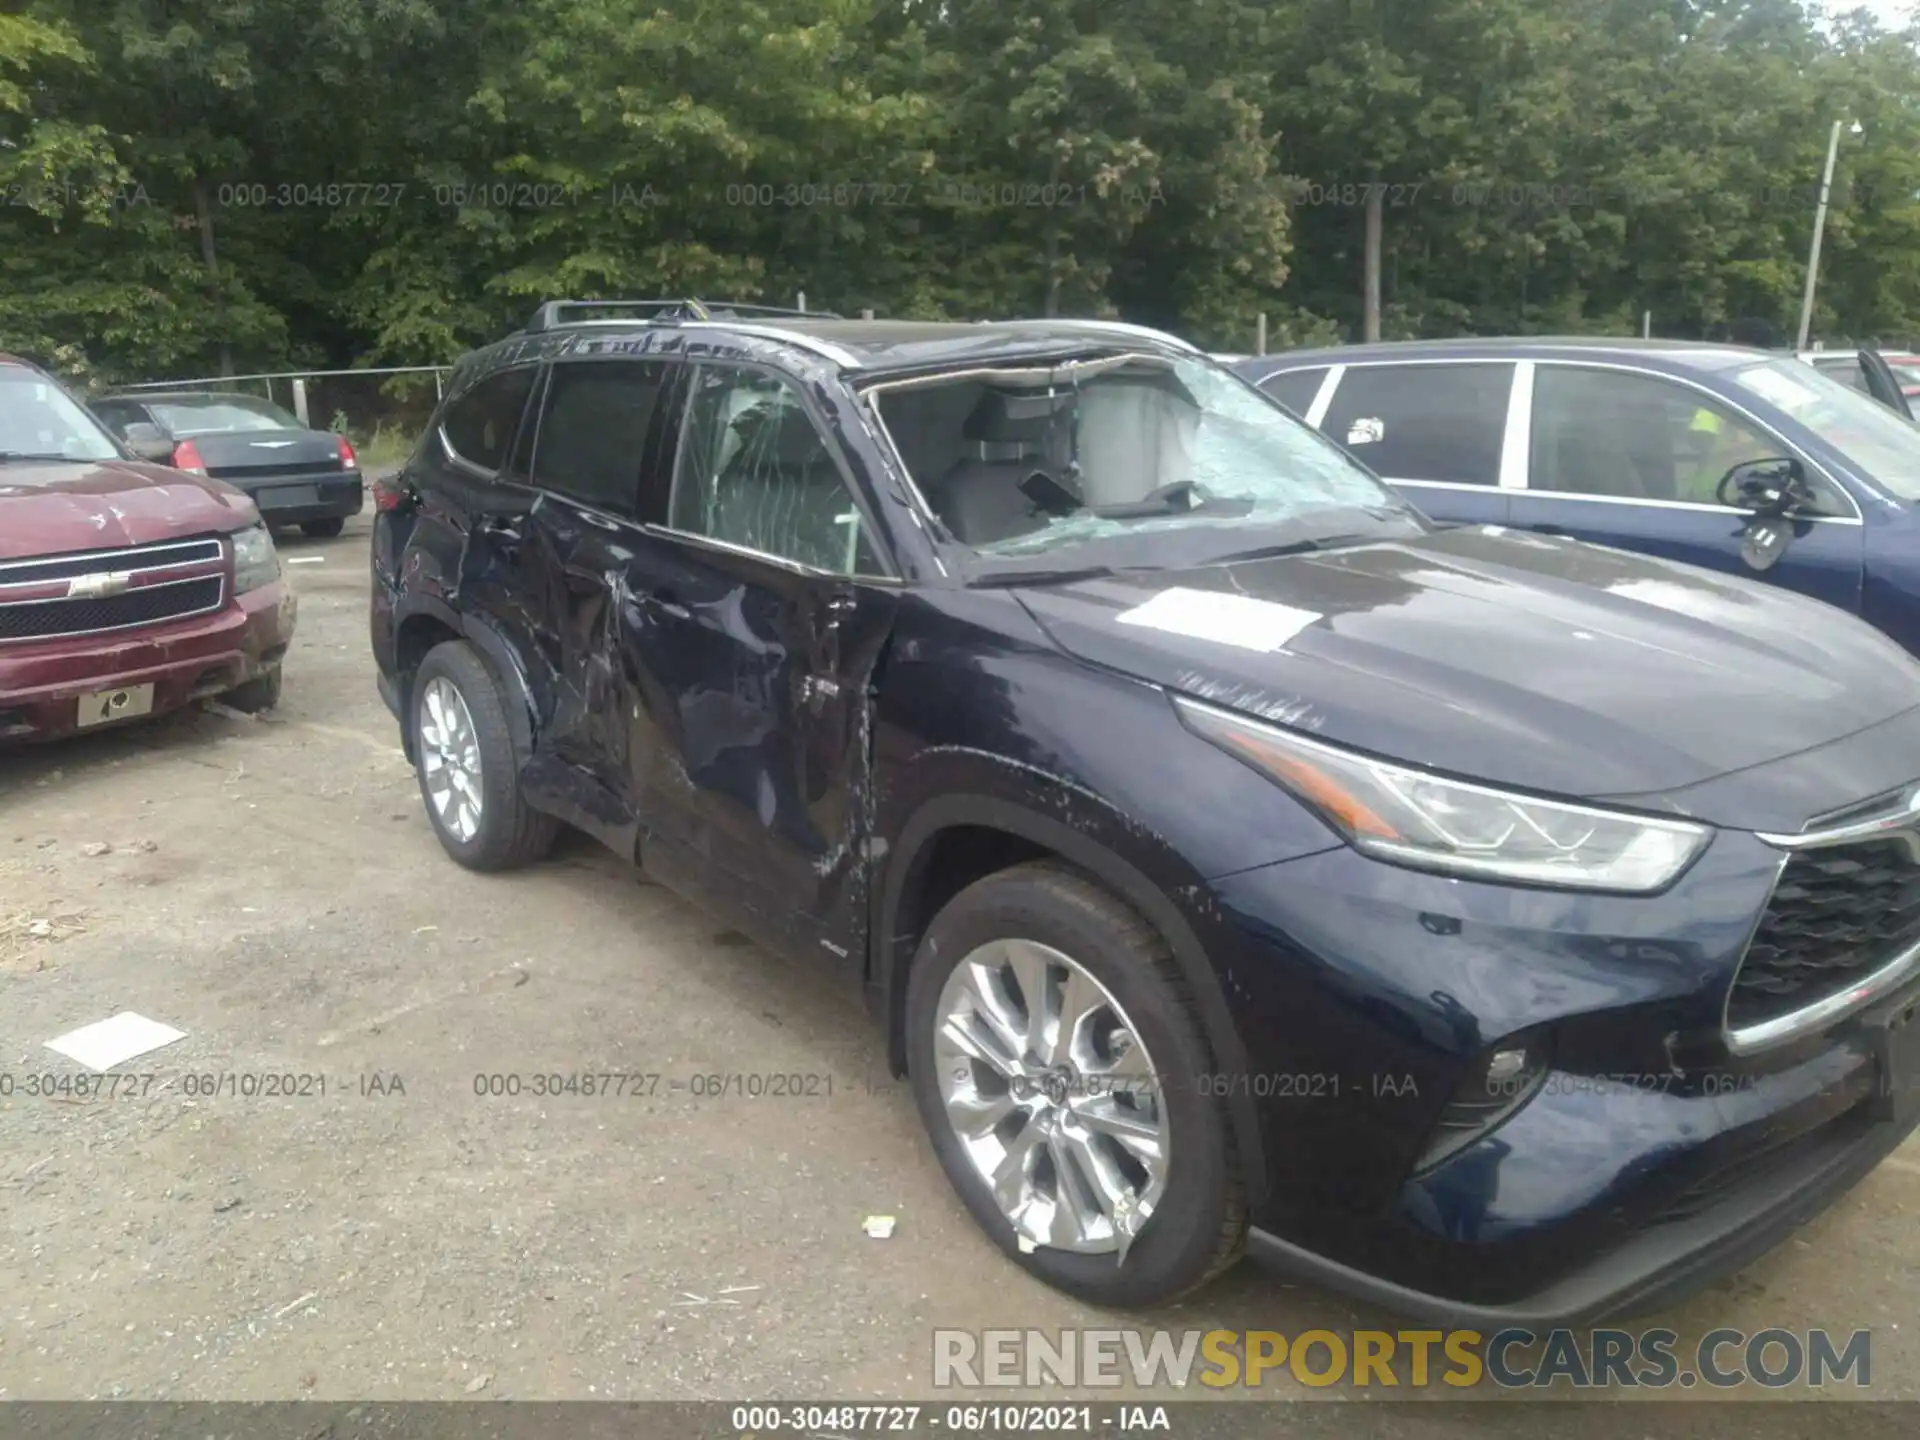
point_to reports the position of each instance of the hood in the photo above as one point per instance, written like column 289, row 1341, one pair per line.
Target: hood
column 1523, row 660
column 55, row 507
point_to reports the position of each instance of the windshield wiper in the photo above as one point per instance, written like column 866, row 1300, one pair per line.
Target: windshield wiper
column 1298, row 547
column 8, row 456
column 988, row 579
column 1177, row 497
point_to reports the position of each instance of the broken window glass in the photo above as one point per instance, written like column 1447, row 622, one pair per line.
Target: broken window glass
column 755, row 472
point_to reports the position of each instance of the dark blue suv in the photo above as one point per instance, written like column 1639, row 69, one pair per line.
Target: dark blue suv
column 1746, row 461
column 1494, row 925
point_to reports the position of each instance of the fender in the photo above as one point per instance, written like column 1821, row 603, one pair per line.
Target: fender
column 505, row 663
column 890, row 959
column 493, row 647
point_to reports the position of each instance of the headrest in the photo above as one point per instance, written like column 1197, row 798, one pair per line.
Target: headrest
column 1015, row 416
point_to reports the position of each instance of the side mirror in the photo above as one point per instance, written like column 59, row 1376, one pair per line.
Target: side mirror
column 1772, row 487
column 148, row 442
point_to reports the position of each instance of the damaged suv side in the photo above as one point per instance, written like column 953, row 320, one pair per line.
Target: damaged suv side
column 1232, row 857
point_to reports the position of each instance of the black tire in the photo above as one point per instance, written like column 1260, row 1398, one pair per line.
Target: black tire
column 323, row 529
column 1199, row 1228
column 511, row 833
column 258, row 694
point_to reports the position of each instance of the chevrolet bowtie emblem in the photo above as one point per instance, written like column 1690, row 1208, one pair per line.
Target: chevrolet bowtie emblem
column 94, row 587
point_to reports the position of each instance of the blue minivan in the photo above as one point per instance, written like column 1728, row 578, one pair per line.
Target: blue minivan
column 1746, row 461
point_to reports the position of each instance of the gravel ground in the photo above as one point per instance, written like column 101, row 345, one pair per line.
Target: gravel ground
column 272, row 888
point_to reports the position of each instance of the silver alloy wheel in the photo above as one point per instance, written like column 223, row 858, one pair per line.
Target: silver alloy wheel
column 450, row 758
column 1053, row 1096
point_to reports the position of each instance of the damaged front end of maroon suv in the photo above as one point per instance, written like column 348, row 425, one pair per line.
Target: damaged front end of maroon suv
column 127, row 588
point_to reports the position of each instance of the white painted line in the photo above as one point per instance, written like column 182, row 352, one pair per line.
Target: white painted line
column 306, row 559
column 107, row 1043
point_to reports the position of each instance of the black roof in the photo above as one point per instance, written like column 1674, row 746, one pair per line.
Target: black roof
column 1667, row 354
column 865, row 346
column 906, row 344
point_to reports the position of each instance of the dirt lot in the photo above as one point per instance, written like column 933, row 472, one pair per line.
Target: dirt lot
column 273, row 890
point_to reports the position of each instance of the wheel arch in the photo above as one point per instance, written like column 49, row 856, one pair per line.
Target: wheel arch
column 912, row 892
column 429, row 622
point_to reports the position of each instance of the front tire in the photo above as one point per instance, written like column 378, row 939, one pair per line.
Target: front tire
column 464, row 758
column 1061, row 1070
column 323, row 529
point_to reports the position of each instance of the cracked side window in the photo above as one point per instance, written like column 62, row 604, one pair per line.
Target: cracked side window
column 755, row 472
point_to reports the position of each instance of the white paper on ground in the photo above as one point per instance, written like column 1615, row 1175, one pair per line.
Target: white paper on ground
column 107, row 1043
column 1223, row 618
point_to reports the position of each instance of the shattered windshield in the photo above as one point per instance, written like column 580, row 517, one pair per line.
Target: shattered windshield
column 1025, row 462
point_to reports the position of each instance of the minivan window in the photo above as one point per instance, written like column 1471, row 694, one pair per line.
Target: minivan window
column 594, row 430
column 481, row 424
column 1871, row 436
column 1635, row 437
column 1443, row 422
column 1295, row 389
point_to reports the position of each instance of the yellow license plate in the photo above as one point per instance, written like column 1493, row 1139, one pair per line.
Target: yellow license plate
column 107, row 706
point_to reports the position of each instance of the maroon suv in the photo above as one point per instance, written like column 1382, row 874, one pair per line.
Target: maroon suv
column 127, row 588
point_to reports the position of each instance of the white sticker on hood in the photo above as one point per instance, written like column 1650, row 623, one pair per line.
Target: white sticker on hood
column 1223, row 618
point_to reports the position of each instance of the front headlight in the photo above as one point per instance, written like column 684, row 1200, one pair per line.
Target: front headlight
column 255, row 561
column 1422, row 820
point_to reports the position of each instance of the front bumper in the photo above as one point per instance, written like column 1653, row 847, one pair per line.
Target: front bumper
column 185, row 660
column 1657, row 1267
column 1650, row 1159
column 291, row 499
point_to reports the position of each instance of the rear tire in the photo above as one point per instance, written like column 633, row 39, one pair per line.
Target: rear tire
column 468, row 771
column 258, row 694
column 1198, row 1222
column 323, row 529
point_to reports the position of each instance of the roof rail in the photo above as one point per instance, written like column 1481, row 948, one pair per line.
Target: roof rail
column 555, row 313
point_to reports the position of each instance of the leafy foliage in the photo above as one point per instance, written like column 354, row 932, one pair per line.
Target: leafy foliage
column 251, row 184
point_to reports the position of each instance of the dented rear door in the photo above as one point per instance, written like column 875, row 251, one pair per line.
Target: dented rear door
column 602, row 423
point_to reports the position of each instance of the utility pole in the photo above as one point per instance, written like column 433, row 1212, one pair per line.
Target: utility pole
column 1819, row 226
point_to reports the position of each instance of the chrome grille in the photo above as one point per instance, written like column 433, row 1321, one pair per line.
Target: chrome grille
column 105, row 562
column 51, row 598
column 1841, row 927
column 1837, row 913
